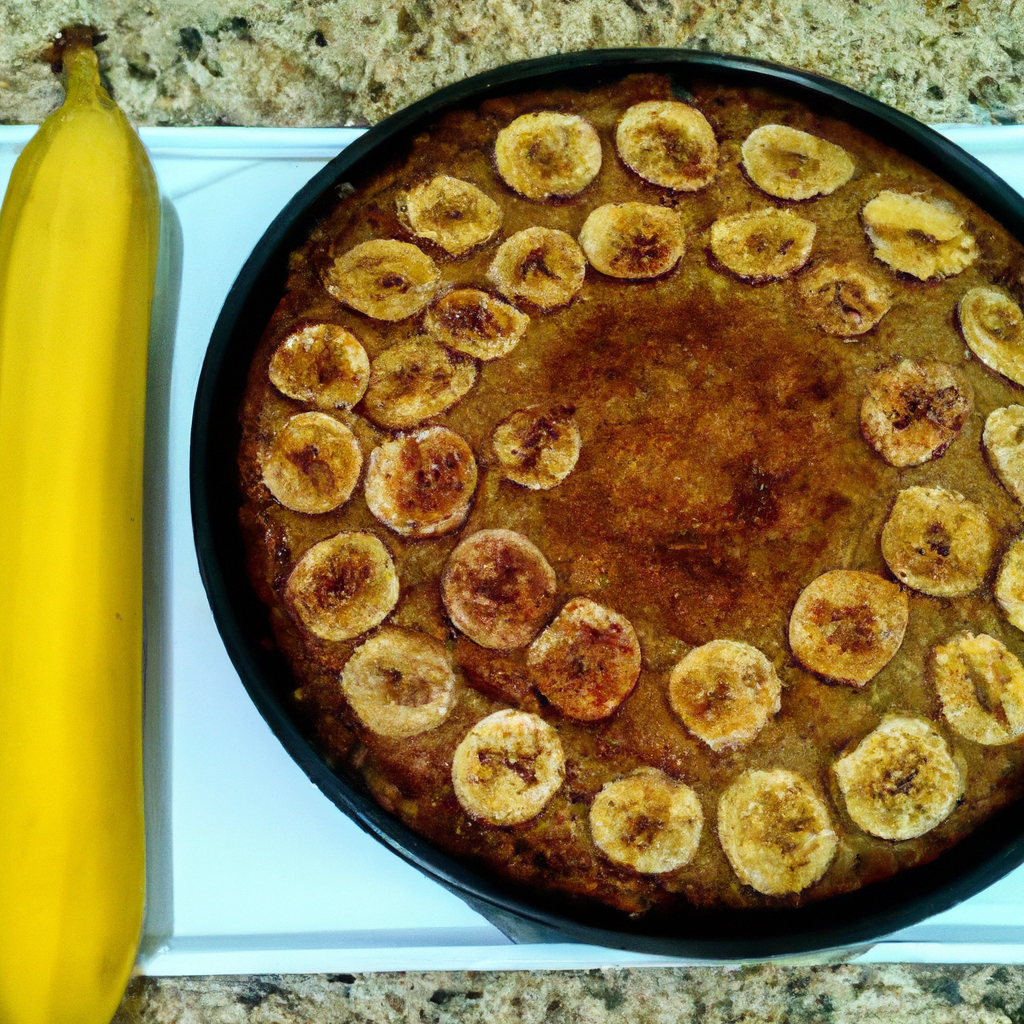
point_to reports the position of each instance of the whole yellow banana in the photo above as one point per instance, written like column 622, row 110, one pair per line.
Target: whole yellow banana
column 78, row 244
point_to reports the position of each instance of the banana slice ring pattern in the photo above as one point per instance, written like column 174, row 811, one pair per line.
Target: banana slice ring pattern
column 725, row 692
column 414, row 380
column 775, row 831
column 843, row 299
column 920, row 236
column 938, row 542
column 647, row 821
column 1003, row 441
column 383, row 278
column 914, row 411
column 993, row 327
column 541, row 266
column 767, row 245
column 477, row 323
column 633, row 240
column 498, row 589
column 537, row 448
column 314, row 463
column 343, row 586
column 400, row 683
column 546, row 154
column 847, row 625
column 451, row 213
column 791, row 164
column 587, row 661
column 901, row 780
column 669, row 144
column 321, row 364
column 981, row 686
column 507, row 768
column 1009, row 589
column 422, row 485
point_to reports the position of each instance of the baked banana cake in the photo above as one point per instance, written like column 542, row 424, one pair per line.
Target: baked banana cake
column 634, row 482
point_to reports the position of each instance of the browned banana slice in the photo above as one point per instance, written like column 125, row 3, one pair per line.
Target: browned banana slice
column 843, row 299
column 414, row 380
column 901, row 781
column 498, row 589
column 400, row 683
column 668, row 143
column 633, row 240
column 587, row 661
column 1004, row 445
column 383, row 278
column 545, row 154
column 538, row 447
column 321, row 364
column 791, row 164
column 508, row 766
column 938, row 542
column 981, row 686
column 314, row 463
column 474, row 322
column 763, row 246
column 993, row 326
column 421, row 485
column 923, row 237
column 647, row 821
column 452, row 213
column 724, row 692
column 1009, row 589
column 847, row 625
column 343, row 586
column 914, row 411
column 775, row 831
column 543, row 266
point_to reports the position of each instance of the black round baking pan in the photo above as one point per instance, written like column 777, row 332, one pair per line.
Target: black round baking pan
column 858, row 918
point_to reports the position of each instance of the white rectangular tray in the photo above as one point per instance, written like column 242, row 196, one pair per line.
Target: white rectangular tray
column 251, row 869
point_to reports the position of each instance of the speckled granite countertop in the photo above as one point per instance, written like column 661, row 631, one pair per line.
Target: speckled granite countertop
column 352, row 62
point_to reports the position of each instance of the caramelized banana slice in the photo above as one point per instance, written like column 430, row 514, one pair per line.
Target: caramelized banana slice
column 668, row 143
column 414, row 380
column 452, row 213
column 343, row 586
column 421, row 485
column 901, row 781
column 537, row 447
column 724, row 692
column 925, row 238
column 507, row 768
column 775, row 831
column 480, row 325
column 498, row 589
column 633, row 240
column 938, row 542
column 587, row 661
column 993, row 326
column 764, row 246
column 647, row 821
column 314, row 463
column 546, row 154
column 848, row 625
column 539, row 265
column 914, row 411
column 1009, row 590
column 321, row 364
column 400, row 683
column 981, row 686
column 791, row 164
column 1003, row 441
column 383, row 278
column 843, row 299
